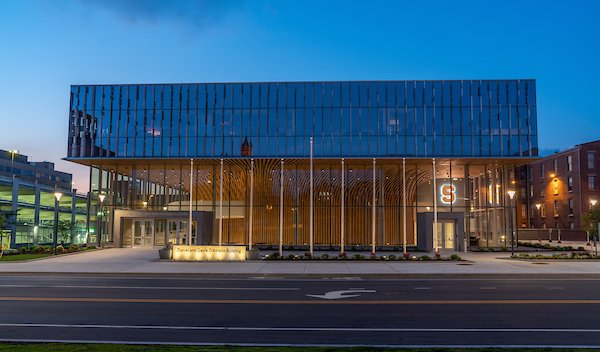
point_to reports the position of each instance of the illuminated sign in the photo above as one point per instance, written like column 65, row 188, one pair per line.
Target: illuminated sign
column 209, row 253
column 447, row 193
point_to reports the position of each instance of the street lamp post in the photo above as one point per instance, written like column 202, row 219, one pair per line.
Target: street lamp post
column 99, row 220
column 538, row 206
column 12, row 159
column 511, row 194
column 57, row 196
column 593, row 204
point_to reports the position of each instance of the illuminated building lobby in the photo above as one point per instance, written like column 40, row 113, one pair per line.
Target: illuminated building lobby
column 323, row 165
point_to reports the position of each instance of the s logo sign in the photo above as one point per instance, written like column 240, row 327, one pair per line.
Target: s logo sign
column 448, row 194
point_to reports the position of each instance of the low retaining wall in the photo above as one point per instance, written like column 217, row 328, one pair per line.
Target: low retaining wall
column 553, row 234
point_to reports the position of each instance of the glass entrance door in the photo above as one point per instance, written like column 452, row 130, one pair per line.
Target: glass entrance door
column 143, row 233
column 445, row 234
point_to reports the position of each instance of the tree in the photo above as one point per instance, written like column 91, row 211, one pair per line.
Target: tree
column 591, row 220
column 64, row 229
column 6, row 220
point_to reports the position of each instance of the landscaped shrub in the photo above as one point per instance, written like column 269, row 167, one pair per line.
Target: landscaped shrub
column 60, row 248
column 74, row 247
column 455, row 257
column 424, row 257
column 324, row 256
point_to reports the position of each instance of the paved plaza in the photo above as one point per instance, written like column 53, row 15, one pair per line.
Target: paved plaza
column 145, row 261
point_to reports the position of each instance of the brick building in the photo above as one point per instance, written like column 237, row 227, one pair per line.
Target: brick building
column 555, row 191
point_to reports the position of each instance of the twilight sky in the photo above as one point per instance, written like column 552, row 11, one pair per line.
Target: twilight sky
column 45, row 46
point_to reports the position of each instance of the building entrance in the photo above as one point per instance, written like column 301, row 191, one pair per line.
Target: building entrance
column 446, row 234
column 143, row 233
column 156, row 232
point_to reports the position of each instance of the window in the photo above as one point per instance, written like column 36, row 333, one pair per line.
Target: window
column 556, row 208
column 542, row 170
column 570, row 183
column 590, row 157
column 523, row 192
column 555, row 186
column 570, row 163
column 572, row 225
column 531, row 191
column 543, row 210
column 571, row 206
column 542, row 193
column 555, row 165
column 591, row 182
column 523, row 210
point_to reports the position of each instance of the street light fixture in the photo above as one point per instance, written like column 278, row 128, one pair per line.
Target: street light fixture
column 511, row 194
column 57, row 196
column 98, row 219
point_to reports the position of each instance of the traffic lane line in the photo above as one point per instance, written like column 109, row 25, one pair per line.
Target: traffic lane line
column 292, row 328
column 305, row 302
column 108, row 287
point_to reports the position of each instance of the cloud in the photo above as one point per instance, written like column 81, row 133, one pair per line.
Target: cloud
column 195, row 13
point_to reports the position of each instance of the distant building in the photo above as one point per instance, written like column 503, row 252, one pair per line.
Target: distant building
column 564, row 185
column 27, row 188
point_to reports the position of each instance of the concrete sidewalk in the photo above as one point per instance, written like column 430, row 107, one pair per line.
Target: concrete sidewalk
column 145, row 261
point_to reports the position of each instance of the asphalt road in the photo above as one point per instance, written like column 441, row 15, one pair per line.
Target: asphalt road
column 527, row 311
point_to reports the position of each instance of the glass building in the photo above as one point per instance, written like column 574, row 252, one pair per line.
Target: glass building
column 27, row 198
column 329, row 164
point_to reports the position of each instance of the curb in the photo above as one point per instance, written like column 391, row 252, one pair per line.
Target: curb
column 324, row 276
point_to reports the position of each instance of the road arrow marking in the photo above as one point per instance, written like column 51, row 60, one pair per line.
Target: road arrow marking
column 341, row 294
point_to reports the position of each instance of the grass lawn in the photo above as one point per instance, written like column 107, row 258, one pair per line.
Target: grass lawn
column 21, row 257
column 57, row 347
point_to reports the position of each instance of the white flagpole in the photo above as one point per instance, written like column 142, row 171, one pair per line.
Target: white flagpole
column 251, row 203
column 311, row 198
column 373, row 227
column 281, row 211
column 342, row 211
column 191, row 199
column 221, row 207
column 435, row 220
column 404, row 204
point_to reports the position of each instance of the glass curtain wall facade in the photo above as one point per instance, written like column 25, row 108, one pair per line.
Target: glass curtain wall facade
column 250, row 141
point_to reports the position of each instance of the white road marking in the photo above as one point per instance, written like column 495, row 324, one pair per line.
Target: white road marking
column 331, row 295
column 487, row 288
column 333, row 329
column 242, row 344
column 422, row 288
column 159, row 287
column 130, row 276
